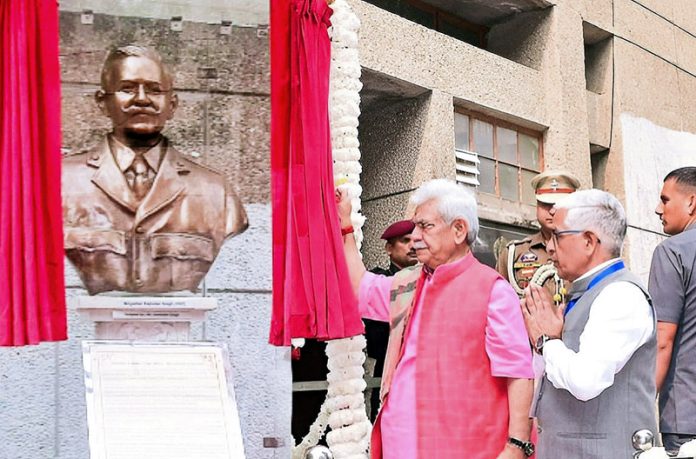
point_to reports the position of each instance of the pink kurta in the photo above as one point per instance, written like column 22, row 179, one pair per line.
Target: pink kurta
column 506, row 345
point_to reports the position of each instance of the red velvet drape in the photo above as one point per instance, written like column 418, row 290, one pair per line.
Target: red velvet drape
column 32, row 289
column 312, row 293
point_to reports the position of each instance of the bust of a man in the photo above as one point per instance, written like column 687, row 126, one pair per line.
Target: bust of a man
column 138, row 215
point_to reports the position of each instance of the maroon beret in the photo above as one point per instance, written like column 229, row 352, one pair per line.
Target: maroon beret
column 398, row 229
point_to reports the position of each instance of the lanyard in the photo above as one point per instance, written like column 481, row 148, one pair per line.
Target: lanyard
column 619, row 265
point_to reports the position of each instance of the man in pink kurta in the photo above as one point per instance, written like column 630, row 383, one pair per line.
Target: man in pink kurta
column 458, row 375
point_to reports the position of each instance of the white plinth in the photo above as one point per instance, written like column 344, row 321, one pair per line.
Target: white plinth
column 144, row 318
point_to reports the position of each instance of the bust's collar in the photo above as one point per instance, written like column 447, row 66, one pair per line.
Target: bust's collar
column 124, row 155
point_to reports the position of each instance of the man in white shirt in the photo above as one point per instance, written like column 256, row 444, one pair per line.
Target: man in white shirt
column 600, row 349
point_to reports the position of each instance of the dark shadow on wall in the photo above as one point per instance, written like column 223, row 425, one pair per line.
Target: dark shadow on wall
column 522, row 37
column 392, row 125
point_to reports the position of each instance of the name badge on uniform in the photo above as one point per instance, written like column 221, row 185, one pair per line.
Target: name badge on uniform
column 528, row 257
column 525, row 267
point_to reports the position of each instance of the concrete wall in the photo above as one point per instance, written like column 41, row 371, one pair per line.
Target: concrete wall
column 533, row 76
column 654, row 122
column 222, row 122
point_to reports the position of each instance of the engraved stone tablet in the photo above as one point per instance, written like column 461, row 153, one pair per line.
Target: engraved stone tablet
column 160, row 400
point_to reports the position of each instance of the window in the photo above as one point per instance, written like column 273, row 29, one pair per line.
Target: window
column 436, row 19
column 496, row 157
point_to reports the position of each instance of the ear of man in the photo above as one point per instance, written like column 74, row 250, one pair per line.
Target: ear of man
column 99, row 96
column 461, row 229
column 173, row 105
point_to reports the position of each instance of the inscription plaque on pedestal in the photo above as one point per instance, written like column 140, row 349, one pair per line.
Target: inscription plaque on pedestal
column 144, row 318
column 160, row 400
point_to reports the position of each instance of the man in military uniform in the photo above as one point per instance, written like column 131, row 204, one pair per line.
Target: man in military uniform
column 399, row 247
column 520, row 260
column 139, row 216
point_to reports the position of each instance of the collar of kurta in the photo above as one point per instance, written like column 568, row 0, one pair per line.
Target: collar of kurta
column 124, row 155
column 449, row 270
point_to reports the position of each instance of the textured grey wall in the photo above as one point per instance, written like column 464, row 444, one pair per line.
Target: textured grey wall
column 225, row 120
column 390, row 139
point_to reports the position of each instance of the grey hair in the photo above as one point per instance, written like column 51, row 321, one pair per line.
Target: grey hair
column 597, row 211
column 453, row 202
column 132, row 50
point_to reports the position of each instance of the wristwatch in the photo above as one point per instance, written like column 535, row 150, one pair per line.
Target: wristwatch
column 527, row 447
column 541, row 340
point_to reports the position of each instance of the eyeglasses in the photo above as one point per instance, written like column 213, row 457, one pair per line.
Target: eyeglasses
column 561, row 233
column 131, row 91
column 556, row 234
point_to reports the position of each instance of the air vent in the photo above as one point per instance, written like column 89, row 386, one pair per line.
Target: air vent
column 467, row 167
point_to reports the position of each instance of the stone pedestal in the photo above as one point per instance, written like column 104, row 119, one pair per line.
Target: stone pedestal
column 144, row 318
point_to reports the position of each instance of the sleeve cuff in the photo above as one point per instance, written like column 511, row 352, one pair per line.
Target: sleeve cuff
column 552, row 348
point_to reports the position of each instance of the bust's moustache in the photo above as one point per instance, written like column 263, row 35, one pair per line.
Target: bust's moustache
column 141, row 111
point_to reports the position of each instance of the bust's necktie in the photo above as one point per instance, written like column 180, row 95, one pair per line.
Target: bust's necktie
column 138, row 177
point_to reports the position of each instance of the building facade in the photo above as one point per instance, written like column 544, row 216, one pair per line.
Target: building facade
column 490, row 92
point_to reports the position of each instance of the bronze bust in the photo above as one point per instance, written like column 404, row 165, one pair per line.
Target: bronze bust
column 138, row 215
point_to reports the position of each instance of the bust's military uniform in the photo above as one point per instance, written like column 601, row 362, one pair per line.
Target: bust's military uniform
column 165, row 242
column 519, row 261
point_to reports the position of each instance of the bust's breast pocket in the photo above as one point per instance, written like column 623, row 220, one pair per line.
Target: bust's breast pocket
column 93, row 240
column 182, row 247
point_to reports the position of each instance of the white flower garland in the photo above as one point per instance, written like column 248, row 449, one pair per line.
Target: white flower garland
column 344, row 106
column 350, row 429
column 344, row 408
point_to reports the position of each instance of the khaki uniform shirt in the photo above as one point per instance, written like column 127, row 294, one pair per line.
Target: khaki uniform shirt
column 530, row 254
column 166, row 242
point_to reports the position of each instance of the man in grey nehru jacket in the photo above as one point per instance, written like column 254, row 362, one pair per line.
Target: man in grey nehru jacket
column 599, row 350
column 673, row 289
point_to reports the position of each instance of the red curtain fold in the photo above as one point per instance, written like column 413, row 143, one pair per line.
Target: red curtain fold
column 312, row 293
column 32, row 289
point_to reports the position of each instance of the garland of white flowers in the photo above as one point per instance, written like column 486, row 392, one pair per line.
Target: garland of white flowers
column 344, row 107
column 344, row 407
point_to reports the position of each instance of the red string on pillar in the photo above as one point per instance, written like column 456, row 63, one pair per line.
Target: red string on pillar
column 32, row 287
column 312, row 293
